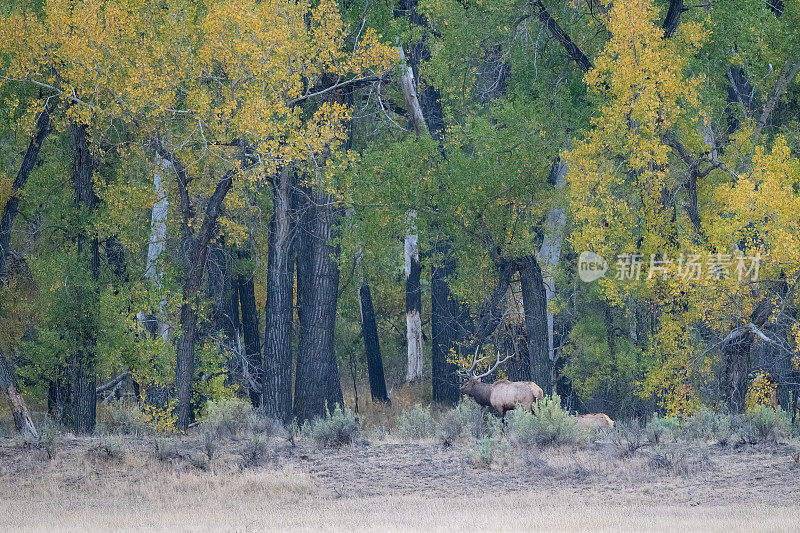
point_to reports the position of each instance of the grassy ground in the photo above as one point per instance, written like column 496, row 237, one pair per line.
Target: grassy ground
column 135, row 483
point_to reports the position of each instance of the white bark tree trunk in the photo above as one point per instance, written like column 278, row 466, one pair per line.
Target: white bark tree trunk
column 550, row 252
column 413, row 304
column 412, row 267
column 158, row 235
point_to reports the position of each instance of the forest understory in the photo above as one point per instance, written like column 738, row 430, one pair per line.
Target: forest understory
column 233, row 478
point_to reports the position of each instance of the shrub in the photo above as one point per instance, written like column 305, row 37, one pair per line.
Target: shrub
column 338, row 428
column 416, row 423
column 122, row 418
column 49, row 437
column 472, row 418
column 259, row 423
column 108, row 448
column 488, row 451
column 254, row 451
column 628, row 436
column 548, row 424
column 450, row 428
column 226, row 417
column 662, row 428
column 164, row 449
column 707, row 424
column 768, row 423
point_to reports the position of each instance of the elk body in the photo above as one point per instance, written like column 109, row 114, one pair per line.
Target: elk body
column 503, row 395
column 595, row 420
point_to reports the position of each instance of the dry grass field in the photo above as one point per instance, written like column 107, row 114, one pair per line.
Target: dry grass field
column 149, row 483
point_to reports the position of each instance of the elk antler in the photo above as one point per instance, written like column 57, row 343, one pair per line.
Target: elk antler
column 476, row 360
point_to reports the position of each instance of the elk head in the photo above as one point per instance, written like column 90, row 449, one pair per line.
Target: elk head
column 470, row 378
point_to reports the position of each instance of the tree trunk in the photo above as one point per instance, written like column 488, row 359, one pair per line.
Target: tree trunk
column 184, row 370
column 158, row 236
column 279, row 308
column 446, row 320
column 369, row 331
column 252, row 342
column 317, row 382
column 535, row 302
column 549, row 255
column 84, row 397
column 223, row 293
column 413, row 308
column 22, row 419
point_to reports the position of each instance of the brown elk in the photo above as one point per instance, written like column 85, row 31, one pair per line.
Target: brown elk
column 502, row 395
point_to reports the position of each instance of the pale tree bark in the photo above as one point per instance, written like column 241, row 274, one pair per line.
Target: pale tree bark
column 158, row 236
column 411, row 246
column 413, row 307
column 550, row 252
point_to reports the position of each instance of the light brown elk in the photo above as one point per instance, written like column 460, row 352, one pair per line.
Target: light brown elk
column 594, row 420
column 502, row 395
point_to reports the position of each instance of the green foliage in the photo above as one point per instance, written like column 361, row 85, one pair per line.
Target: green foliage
column 122, row 418
column 226, row 417
column 488, row 451
column 661, row 429
column 769, row 423
column 628, row 436
column 337, row 428
column 549, row 424
column 416, row 423
column 472, row 418
column 707, row 424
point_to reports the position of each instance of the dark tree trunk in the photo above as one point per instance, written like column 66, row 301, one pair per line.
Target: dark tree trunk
column 22, row 419
column 184, row 370
column 115, row 255
column 369, row 331
column 317, row 382
column 279, row 308
column 446, row 324
column 224, row 318
column 252, row 341
column 534, row 301
column 84, row 397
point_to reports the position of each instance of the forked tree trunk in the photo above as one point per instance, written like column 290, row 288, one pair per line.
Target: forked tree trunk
column 317, row 384
column 279, row 308
column 253, row 367
column 197, row 246
column 19, row 411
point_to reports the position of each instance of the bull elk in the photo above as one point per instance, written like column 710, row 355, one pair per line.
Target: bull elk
column 503, row 395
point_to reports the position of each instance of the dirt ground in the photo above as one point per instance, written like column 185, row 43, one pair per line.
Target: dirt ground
column 115, row 483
